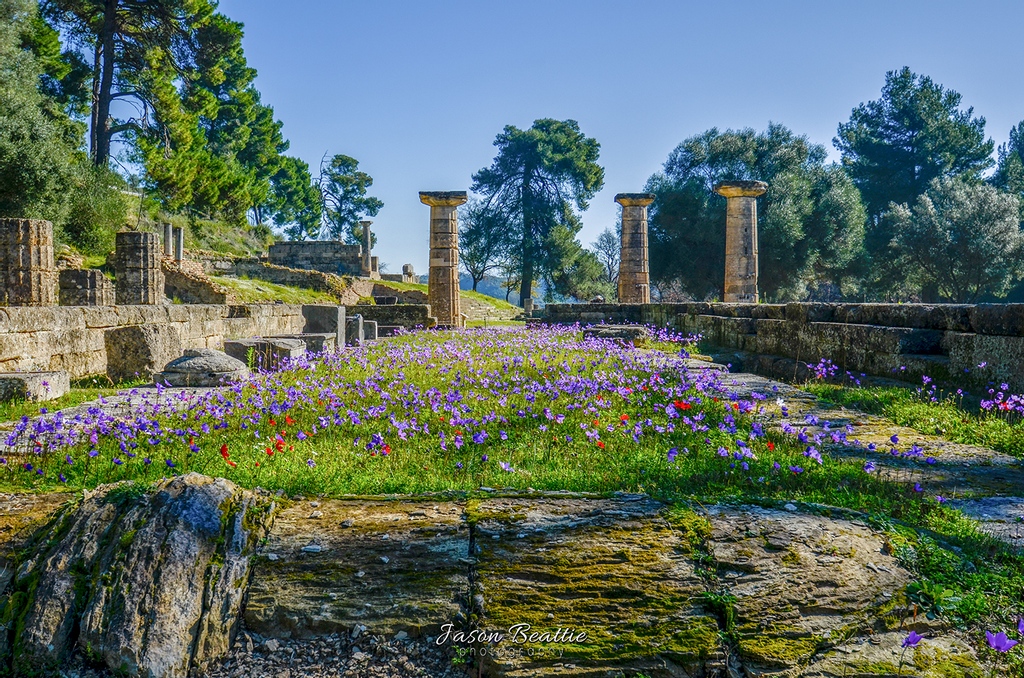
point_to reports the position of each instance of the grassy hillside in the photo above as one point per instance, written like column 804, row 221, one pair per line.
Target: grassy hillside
column 470, row 294
column 251, row 291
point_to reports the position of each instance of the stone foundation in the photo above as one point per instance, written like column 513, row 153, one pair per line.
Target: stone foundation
column 85, row 288
column 72, row 338
column 324, row 256
column 139, row 279
column 901, row 341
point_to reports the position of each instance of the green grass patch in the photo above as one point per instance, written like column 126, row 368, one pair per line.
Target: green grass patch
column 500, row 304
column 947, row 417
column 250, row 291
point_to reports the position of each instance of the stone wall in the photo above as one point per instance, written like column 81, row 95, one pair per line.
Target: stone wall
column 187, row 282
column 85, row 287
column 72, row 338
column 324, row 256
column 405, row 315
column 902, row 341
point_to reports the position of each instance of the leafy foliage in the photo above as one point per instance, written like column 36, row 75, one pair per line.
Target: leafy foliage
column 964, row 238
column 893, row 147
column 810, row 222
column 537, row 182
column 343, row 198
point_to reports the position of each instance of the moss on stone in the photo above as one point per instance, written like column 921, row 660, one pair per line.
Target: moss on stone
column 778, row 650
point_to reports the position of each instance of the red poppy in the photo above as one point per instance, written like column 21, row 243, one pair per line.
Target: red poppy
column 273, row 423
column 624, row 417
column 387, row 449
column 597, row 423
column 681, row 405
column 232, row 464
column 600, row 443
column 736, row 406
column 771, row 446
column 288, row 421
column 224, row 451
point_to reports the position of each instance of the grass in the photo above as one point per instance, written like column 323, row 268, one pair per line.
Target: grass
column 946, row 417
column 251, row 291
column 539, row 408
column 500, row 304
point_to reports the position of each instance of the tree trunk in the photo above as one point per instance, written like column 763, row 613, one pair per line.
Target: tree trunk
column 102, row 94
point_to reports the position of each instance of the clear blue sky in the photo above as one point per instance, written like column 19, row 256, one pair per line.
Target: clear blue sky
column 418, row 90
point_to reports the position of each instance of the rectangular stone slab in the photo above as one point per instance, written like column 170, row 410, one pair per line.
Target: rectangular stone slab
column 388, row 566
column 616, row 570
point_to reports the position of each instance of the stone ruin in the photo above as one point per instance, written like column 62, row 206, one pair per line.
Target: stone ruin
column 138, row 276
column 741, row 239
column 634, row 273
column 28, row 274
column 443, row 287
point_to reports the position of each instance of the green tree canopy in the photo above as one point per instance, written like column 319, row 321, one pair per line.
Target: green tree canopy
column 810, row 222
column 608, row 249
column 537, row 182
column 343, row 197
column 893, row 147
column 963, row 237
column 1009, row 174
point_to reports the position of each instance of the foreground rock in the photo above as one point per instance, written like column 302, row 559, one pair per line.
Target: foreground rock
column 146, row 583
column 202, row 367
column 151, row 584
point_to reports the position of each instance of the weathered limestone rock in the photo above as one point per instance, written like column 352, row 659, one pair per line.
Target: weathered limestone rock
column 28, row 274
column 150, row 580
column 140, row 351
column 265, row 353
column 741, row 238
column 443, row 284
column 34, row 386
column 316, row 342
column 614, row 570
column 202, row 367
column 369, row 330
column 325, row 318
column 137, row 272
column 389, row 566
column 634, row 272
column 628, row 333
column 87, row 287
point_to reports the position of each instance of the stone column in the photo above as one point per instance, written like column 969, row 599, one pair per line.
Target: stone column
column 367, row 240
column 634, row 273
column 179, row 244
column 741, row 239
column 168, row 240
column 443, row 286
column 28, row 274
column 138, row 277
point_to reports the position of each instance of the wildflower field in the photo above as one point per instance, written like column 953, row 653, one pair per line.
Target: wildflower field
column 462, row 412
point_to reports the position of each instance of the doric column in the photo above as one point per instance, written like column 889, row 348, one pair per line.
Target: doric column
column 367, row 240
column 168, row 240
column 179, row 244
column 29, row 274
column 634, row 273
column 138, row 278
column 443, row 285
column 741, row 238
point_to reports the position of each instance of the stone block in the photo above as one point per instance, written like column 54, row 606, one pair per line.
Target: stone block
column 138, row 276
column 627, row 333
column 316, row 342
column 389, row 330
column 809, row 313
column 370, row 330
column 85, row 288
column 322, row 318
column 140, row 351
column 354, row 330
column 768, row 312
column 28, row 273
column 33, row 386
column 998, row 319
column 202, row 367
column 265, row 353
column 385, row 300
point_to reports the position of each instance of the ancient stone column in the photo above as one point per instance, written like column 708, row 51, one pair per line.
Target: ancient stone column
column 741, row 238
column 28, row 274
column 138, row 277
column 179, row 244
column 367, row 240
column 634, row 273
column 168, row 240
column 443, row 284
